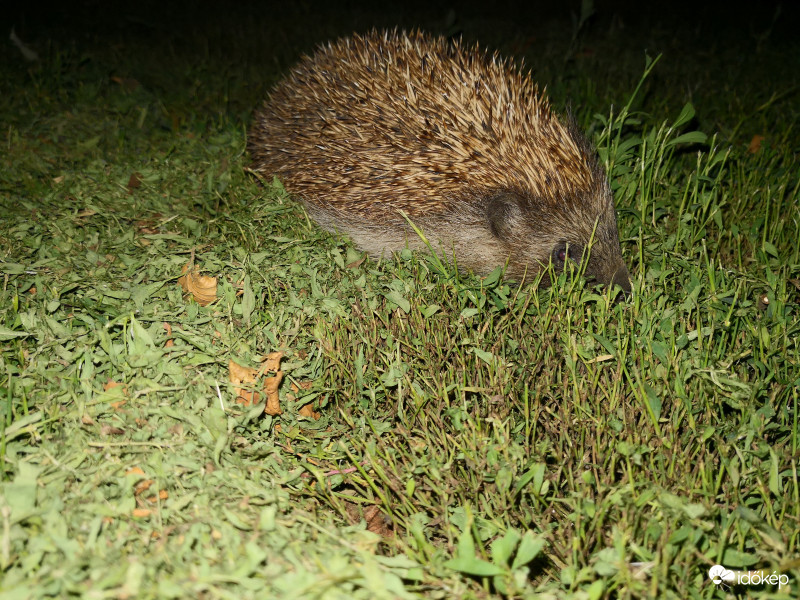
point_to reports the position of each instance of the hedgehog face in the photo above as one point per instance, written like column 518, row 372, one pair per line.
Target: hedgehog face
column 605, row 263
column 533, row 235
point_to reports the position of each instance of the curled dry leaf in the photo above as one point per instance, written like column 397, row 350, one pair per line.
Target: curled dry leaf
column 273, row 406
column 273, row 363
column 307, row 410
column 755, row 144
column 135, row 182
column 244, row 381
column 111, row 430
column 356, row 263
column 202, row 287
column 377, row 522
column 110, row 385
column 145, row 228
column 150, row 224
column 162, row 495
column 301, row 385
column 142, row 486
column 129, row 84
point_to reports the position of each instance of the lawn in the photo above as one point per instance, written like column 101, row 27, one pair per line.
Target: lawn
column 427, row 433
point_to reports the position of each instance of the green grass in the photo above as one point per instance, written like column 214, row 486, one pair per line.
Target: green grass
column 476, row 439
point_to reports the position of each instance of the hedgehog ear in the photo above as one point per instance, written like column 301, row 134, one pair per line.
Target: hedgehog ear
column 503, row 213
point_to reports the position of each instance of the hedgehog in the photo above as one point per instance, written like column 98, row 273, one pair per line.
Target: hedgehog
column 375, row 132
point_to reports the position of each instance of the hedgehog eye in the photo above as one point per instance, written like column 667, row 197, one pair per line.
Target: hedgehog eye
column 560, row 253
column 565, row 250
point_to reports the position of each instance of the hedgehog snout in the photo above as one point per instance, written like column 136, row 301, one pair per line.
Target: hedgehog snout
column 622, row 278
column 609, row 272
column 604, row 266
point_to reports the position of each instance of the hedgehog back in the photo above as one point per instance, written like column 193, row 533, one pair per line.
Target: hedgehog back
column 374, row 124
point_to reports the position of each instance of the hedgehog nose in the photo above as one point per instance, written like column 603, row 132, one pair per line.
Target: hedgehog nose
column 622, row 278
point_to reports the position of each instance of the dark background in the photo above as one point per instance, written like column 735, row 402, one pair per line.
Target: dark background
column 727, row 58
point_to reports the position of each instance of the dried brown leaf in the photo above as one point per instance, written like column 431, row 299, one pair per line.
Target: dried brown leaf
column 129, row 84
column 243, row 378
column 273, row 362
column 111, row 430
column 273, row 406
column 110, row 385
column 142, row 486
column 755, row 144
column 134, row 182
column 201, row 287
column 170, row 342
column 377, row 522
column 307, row 410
